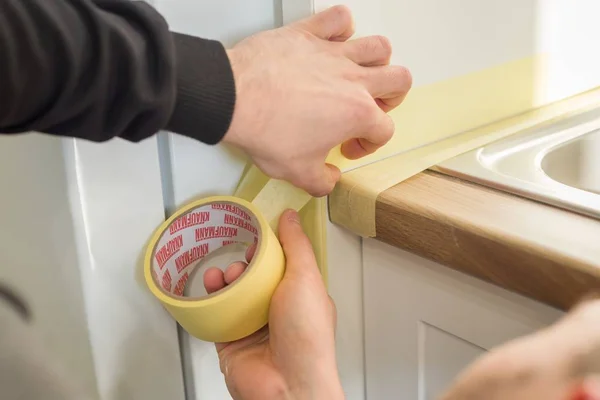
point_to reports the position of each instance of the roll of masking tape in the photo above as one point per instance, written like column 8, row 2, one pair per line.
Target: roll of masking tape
column 204, row 226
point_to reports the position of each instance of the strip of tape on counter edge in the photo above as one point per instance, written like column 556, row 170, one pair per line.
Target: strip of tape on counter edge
column 353, row 202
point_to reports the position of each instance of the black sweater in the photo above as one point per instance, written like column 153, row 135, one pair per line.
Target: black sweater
column 98, row 69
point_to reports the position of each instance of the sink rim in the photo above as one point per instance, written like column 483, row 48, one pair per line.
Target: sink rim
column 529, row 148
column 546, row 156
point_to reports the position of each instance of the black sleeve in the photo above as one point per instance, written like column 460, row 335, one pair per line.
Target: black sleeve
column 98, row 69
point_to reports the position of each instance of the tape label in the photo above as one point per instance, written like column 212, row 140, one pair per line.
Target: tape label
column 193, row 236
column 188, row 220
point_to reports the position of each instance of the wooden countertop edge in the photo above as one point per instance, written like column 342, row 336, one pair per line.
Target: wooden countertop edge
column 537, row 250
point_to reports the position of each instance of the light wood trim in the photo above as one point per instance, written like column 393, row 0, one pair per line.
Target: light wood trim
column 527, row 247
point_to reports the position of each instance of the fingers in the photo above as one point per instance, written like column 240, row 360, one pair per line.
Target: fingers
column 369, row 51
column 389, row 84
column 234, row 271
column 335, row 24
column 213, row 280
column 357, row 148
column 318, row 179
column 250, row 252
column 296, row 246
column 379, row 133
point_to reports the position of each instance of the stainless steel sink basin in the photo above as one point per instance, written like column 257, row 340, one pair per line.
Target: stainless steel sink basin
column 576, row 163
column 557, row 164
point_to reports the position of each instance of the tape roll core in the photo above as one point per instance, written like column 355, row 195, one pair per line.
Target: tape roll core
column 191, row 234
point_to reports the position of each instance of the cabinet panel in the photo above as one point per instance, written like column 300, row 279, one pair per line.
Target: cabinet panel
column 75, row 216
column 424, row 322
column 116, row 202
column 193, row 170
column 345, row 282
column 442, row 356
column 38, row 257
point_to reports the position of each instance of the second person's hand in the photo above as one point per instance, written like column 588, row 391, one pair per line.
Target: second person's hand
column 305, row 88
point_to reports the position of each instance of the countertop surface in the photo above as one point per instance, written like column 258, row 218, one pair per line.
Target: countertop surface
column 537, row 250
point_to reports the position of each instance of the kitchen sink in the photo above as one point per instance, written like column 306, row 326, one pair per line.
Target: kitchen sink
column 557, row 163
column 576, row 163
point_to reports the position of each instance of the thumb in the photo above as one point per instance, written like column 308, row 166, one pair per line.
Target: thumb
column 300, row 257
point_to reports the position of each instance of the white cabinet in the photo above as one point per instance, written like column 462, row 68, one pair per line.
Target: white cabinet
column 424, row 323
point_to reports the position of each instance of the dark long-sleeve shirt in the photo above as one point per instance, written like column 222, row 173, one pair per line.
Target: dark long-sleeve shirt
column 98, row 69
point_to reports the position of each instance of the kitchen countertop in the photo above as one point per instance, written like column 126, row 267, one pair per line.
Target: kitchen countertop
column 537, row 250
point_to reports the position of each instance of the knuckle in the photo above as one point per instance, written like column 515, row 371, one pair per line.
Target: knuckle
column 382, row 133
column 355, row 73
column 383, row 43
column 388, row 132
column 319, row 186
column 301, row 32
column 323, row 189
column 299, row 181
column 402, row 76
column 369, row 115
column 341, row 12
column 364, row 112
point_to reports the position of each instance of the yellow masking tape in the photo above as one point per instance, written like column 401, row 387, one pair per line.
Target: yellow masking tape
column 353, row 202
column 207, row 225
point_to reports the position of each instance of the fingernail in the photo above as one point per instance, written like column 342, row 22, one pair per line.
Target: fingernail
column 292, row 216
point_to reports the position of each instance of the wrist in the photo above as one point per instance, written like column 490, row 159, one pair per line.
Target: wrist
column 231, row 137
column 249, row 113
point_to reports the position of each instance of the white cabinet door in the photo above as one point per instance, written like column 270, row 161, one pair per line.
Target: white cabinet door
column 424, row 322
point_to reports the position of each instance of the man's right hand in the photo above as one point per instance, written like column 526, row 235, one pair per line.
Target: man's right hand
column 305, row 88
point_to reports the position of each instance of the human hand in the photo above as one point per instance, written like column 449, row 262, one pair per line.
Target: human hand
column 305, row 88
column 561, row 362
column 294, row 357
